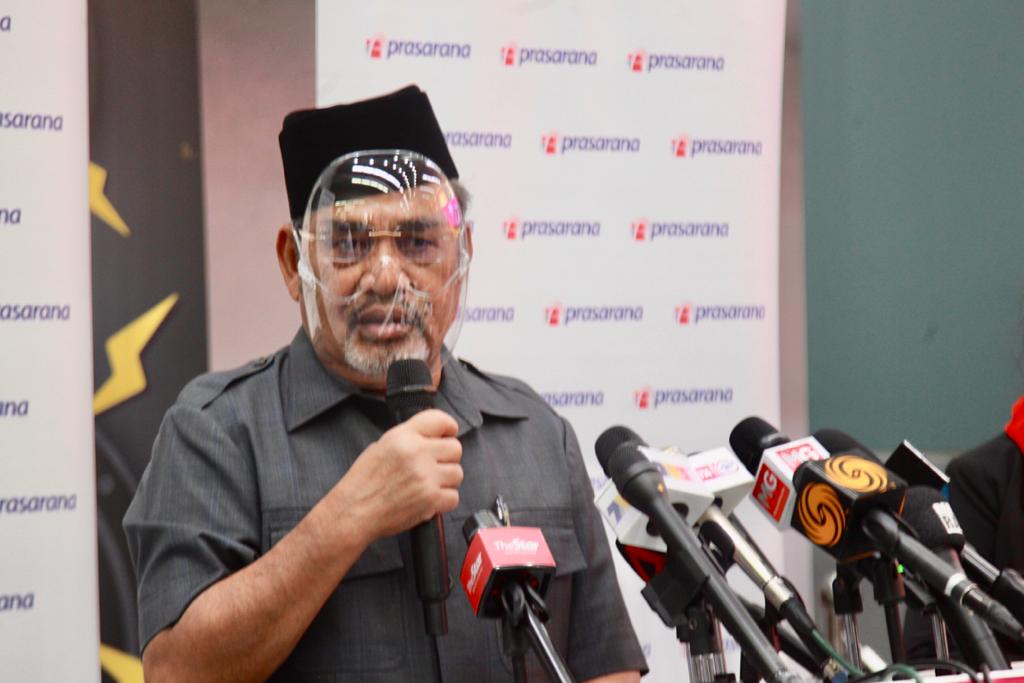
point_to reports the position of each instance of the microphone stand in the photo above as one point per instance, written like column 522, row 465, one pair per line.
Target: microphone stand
column 920, row 598
column 889, row 593
column 697, row 627
column 703, row 636
column 522, row 627
column 848, row 605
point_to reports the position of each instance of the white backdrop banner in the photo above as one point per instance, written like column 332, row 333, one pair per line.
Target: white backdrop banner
column 624, row 164
column 48, row 599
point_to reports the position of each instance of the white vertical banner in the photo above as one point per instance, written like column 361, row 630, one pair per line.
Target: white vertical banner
column 624, row 166
column 49, row 623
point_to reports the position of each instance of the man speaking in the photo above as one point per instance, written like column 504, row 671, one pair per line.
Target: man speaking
column 270, row 532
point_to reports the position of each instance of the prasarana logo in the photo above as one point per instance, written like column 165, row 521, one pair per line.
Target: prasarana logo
column 821, row 515
column 374, row 46
column 856, row 473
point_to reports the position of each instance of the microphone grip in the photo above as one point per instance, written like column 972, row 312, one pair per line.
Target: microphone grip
column 430, row 559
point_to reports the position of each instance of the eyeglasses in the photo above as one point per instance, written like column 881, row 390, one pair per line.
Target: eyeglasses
column 424, row 241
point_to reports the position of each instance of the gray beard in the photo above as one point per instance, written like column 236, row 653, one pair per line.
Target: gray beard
column 374, row 360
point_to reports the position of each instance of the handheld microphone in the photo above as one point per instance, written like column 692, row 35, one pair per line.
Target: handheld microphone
column 641, row 484
column 932, row 518
column 410, row 391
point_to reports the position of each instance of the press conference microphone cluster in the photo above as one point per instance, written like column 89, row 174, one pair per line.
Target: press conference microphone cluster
column 641, row 484
column 410, row 390
column 705, row 488
column 848, row 505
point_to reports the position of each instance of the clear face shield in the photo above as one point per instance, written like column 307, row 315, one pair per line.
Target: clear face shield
column 383, row 259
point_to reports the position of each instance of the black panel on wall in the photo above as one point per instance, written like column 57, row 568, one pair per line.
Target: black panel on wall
column 149, row 311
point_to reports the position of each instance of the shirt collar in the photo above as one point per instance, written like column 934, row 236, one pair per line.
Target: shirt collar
column 309, row 390
column 1015, row 427
column 471, row 395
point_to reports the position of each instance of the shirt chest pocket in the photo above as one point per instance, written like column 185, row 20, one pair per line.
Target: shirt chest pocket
column 559, row 532
column 362, row 626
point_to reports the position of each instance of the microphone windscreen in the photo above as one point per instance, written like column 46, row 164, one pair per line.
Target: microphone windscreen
column 410, row 386
column 837, row 442
column 611, row 439
column 624, row 457
column 930, row 515
column 751, row 437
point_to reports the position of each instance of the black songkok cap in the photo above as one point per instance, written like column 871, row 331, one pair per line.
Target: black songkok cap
column 311, row 139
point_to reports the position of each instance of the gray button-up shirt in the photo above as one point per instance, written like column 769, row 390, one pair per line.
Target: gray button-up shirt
column 243, row 455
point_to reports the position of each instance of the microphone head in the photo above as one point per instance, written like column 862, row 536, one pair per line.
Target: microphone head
column 837, row 442
column 751, row 437
column 930, row 515
column 610, row 440
column 623, row 459
column 410, row 387
column 409, row 374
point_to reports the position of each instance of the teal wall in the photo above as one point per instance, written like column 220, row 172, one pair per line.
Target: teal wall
column 913, row 115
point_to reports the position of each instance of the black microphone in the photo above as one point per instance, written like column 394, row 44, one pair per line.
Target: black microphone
column 411, row 391
column 846, row 506
column 951, row 583
column 1005, row 585
column 642, row 486
column 754, row 435
column 836, row 441
column 893, row 540
column 932, row 518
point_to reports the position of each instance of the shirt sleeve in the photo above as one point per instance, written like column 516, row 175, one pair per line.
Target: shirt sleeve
column 601, row 637
column 194, row 518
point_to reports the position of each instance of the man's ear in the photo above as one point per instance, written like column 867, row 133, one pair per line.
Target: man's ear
column 288, row 260
column 469, row 241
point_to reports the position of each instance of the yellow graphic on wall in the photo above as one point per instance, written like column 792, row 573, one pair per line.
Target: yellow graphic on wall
column 124, row 350
column 120, row 666
column 100, row 205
